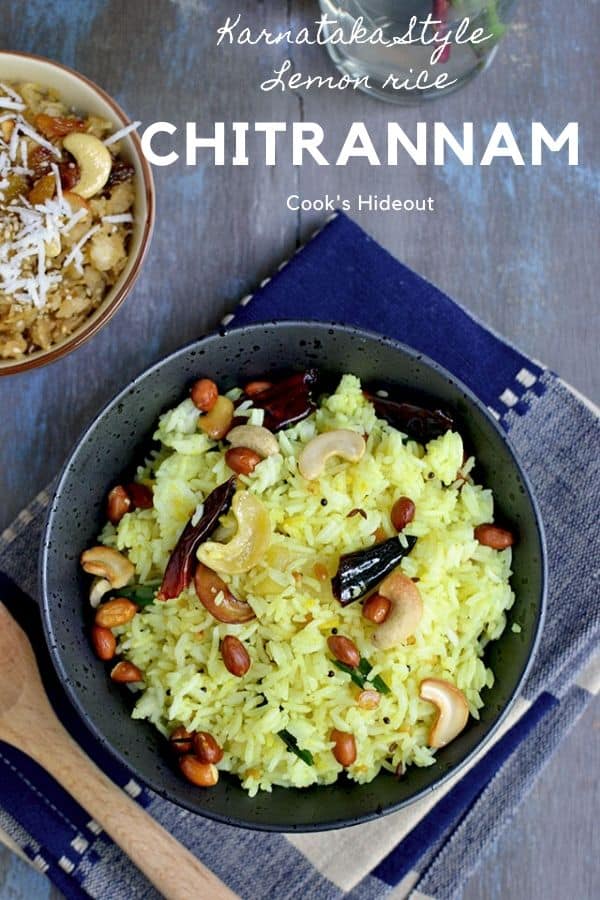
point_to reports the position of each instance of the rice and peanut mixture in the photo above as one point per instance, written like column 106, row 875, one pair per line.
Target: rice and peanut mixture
column 298, row 587
column 66, row 199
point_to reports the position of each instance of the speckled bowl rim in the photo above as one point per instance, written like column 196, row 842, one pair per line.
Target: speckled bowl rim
column 125, row 761
column 92, row 325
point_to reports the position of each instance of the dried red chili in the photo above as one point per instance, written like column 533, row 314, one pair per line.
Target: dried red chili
column 418, row 422
column 288, row 401
column 182, row 562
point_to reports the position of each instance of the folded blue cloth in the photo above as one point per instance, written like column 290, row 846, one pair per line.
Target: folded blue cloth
column 431, row 847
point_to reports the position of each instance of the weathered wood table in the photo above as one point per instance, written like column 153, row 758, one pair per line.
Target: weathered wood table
column 517, row 247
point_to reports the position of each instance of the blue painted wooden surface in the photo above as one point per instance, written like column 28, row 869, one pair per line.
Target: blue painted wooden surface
column 517, row 247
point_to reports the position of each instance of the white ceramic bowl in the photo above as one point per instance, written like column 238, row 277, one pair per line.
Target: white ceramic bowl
column 83, row 95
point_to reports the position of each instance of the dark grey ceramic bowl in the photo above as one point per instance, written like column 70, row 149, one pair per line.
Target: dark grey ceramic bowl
column 109, row 447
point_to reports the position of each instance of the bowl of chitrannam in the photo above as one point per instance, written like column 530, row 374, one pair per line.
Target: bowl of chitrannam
column 311, row 594
column 76, row 210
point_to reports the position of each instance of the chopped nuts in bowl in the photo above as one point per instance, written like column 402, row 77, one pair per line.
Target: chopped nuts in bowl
column 76, row 210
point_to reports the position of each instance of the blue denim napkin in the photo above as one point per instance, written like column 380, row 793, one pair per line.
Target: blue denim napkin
column 430, row 848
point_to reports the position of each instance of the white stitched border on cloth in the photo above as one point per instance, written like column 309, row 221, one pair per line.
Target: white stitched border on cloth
column 509, row 398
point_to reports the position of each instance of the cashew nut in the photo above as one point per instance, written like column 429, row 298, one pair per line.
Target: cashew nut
column 107, row 563
column 342, row 442
column 405, row 612
column 100, row 587
column 249, row 543
column 217, row 422
column 453, row 710
column 93, row 159
column 254, row 437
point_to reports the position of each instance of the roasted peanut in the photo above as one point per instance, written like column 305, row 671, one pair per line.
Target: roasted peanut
column 368, row 699
column 257, row 387
column 206, row 748
column 204, row 394
column 217, row 422
column 140, row 495
column 376, row 608
column 117, row 504
column 494, row 537
column 115, row 612
column 235, row 656
column 344, row 650
column 403, row 512
column 103, row 642
column 242, row 460
column 181, row 740
column 345, row 747
column 126, row 673
column 198, row 773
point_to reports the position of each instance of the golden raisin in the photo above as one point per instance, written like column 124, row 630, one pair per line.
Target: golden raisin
column 43, row 189
column 58, row 126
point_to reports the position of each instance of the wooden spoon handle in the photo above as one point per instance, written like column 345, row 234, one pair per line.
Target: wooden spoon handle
column 171, row 868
